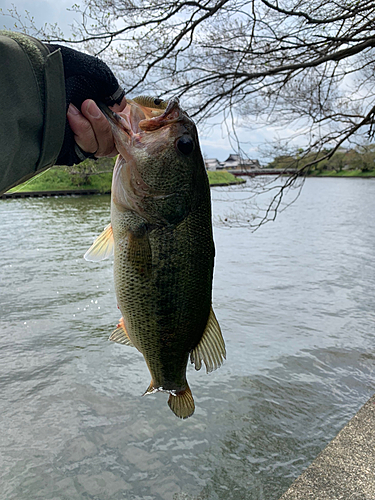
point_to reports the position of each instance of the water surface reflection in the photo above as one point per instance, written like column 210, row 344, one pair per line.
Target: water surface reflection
column 295, row 301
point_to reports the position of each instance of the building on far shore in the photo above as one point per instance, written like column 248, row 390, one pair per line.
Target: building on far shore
column 212, row 164
column 233, row 162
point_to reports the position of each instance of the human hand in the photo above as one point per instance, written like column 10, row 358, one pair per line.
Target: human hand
column 87, row 79
column 91, row 129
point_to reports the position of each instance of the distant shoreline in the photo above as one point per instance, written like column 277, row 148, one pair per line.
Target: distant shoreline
column 330, row 173
column 314, row 173
column 58, row 181
column 344, row 174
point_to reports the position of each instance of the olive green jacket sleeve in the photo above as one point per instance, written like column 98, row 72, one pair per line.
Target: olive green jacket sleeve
column 32, row 108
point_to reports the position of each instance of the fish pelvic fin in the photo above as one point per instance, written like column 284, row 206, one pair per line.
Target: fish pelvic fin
column 211, row 348
column 103, row 246
column 182, row 403
column 120, row 335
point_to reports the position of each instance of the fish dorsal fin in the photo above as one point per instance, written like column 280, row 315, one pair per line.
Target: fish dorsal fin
column 211, row 348
column 182, row 403
column 102, row 248
column 120, row 335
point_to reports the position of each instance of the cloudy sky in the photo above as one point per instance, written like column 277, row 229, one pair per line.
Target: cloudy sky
column 213, row 140
column 43, row 11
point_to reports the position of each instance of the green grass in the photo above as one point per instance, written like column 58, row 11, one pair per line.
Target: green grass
column 60, row 179
column 52, row 179
column 343, row 173
column 223, row 178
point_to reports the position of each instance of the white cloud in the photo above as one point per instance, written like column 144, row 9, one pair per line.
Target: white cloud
column 215, row 142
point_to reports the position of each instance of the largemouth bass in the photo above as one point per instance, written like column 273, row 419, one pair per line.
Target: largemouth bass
column 161, row 234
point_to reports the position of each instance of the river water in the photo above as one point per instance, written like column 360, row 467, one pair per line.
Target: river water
column 296, row 304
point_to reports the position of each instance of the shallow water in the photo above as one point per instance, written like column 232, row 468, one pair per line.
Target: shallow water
column 296, row 304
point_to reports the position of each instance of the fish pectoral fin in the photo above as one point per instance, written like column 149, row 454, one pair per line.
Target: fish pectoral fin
column 120, row 335
column 139, row 252
column 102, row 248
column 211, row 348
column 182, row 403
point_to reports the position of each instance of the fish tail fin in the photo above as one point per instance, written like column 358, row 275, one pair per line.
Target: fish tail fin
column 182, row 403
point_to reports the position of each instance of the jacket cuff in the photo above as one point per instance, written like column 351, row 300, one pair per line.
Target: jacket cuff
column 54, row 111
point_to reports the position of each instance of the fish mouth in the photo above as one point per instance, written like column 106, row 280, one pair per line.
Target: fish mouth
column 118, row 122
column 172, row 114
column 133, row 131
column 138, row 118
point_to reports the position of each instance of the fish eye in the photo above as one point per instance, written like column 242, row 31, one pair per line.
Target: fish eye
column 185, row 144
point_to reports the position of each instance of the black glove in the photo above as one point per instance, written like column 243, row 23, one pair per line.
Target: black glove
column 86, row 77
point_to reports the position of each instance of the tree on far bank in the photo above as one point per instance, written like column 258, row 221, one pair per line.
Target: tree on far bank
column 82, row 173
column 361, row 157
column 366, row 157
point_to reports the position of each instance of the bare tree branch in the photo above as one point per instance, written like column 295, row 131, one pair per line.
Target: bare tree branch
column 305, row 65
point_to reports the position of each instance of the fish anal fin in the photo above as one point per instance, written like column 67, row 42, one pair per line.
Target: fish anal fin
column 102, row 248
column 182, row 403
column 211, row 348
column 151, row 389
column 120, row 335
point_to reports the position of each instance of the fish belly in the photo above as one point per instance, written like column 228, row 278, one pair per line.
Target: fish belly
column 163, row 280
